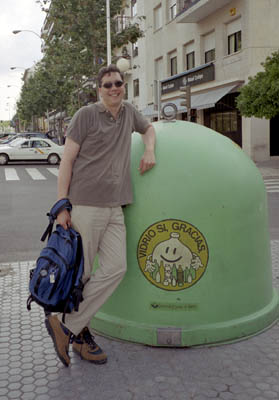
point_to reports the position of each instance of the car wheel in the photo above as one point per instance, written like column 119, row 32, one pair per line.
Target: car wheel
column 53, row 159
column 4, row 159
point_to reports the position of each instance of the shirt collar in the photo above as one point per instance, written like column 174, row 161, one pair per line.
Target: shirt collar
column 101, row 108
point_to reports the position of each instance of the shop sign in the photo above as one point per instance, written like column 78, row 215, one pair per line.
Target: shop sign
column 196, row 77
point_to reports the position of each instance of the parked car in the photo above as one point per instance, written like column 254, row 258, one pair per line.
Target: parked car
column 7, row 135
column 27, row 135
column 35, row 149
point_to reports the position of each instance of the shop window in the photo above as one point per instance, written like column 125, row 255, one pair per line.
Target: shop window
column 225, row 118
column 190, row 60
column 225, row 122
column 136, row 87
column 234, row 42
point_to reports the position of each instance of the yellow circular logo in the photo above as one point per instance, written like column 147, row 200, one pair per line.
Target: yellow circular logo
column 172, row 254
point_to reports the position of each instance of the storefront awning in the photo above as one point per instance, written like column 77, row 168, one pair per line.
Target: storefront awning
column 198, row 101
column 209, row 99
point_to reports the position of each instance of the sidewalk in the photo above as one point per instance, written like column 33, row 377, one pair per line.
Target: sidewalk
column 269, row 168
column 30, row 369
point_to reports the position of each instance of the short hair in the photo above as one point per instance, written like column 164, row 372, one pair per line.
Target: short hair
column 107, row 70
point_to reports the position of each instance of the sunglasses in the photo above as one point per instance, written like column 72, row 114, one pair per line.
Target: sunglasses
column 108, row 85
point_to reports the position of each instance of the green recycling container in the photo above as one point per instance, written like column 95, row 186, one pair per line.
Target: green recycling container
column 198, row 246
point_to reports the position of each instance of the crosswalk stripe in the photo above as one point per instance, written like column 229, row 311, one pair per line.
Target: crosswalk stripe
column 272, row 185
column 11, row 174
column 54, row 171
column 35, row 174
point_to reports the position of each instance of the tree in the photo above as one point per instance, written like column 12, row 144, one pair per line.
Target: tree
column 77, row 39
column 75, row 50
column 260, row 97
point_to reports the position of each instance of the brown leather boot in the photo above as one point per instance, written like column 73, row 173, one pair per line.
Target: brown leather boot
column 61, row 338
column 85, row 346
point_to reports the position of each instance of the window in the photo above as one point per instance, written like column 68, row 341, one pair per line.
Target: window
column 209, row 56
column 158, row 22
column 136, row 87
column 172, row 10
column 189, row 56
column 234, row 36
column 234, row 42
column 209, row 47
column 135, row 49
column 25, row 144
column 173, row 65
column 190, row 60
column 134, row 8
column 40, row 143
column 159, row 73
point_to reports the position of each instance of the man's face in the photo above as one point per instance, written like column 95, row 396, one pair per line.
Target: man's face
column 112, row 96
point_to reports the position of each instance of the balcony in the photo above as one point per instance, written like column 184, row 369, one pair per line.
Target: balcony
column 121, row 22
column 189, row 11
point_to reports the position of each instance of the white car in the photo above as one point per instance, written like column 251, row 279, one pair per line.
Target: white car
column 35, row 149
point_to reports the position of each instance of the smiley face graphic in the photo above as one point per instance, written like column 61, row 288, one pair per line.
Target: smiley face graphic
column 172, row 251
column 172, row 254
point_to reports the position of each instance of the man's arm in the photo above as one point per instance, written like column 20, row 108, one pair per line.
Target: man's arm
column 148, row 159
column 64, row 178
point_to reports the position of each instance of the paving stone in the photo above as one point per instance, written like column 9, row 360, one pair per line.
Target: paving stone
column 30, row 369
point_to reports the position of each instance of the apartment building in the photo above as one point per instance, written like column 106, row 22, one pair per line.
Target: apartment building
column 213, row 46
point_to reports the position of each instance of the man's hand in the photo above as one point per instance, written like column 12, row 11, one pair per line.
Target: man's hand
column 147, row 162
column 64, row 219
column 148, row 159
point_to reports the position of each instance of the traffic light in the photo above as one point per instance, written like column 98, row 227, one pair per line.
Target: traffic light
column 186, row 96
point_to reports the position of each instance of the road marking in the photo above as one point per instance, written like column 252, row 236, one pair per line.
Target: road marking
column 272, row 185
column 11, row 174
column 54, row 171
column 35, row 174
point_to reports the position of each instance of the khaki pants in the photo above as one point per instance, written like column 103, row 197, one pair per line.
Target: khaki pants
column 102, row 231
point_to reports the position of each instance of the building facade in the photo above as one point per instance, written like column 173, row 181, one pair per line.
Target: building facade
column 213, row 46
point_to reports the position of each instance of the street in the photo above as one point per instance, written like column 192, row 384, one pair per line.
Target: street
column 24, row 203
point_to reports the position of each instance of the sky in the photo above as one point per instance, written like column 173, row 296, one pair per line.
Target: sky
column 22, row 50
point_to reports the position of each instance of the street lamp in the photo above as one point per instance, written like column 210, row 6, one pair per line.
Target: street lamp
column 17, row 68
column 8, row 86
column 26, row 30
column 35, row 33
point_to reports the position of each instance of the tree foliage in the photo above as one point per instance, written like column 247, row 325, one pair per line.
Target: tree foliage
column 75, row 49
column 260, row 97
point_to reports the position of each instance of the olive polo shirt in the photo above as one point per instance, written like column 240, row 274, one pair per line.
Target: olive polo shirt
column 101, row 171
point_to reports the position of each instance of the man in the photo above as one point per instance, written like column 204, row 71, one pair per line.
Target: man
column 95, row 174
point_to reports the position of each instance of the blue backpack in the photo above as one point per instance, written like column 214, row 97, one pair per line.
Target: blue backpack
column 56, row 281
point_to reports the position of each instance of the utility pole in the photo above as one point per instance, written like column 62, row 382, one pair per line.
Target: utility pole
column 186, row 96
column 157, row 97
column 108, row 34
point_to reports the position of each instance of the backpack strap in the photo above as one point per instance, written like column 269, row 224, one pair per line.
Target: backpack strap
column 59, row 206
column 77, row 290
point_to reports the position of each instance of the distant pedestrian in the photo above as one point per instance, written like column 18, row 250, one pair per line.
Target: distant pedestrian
column 95, row 175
